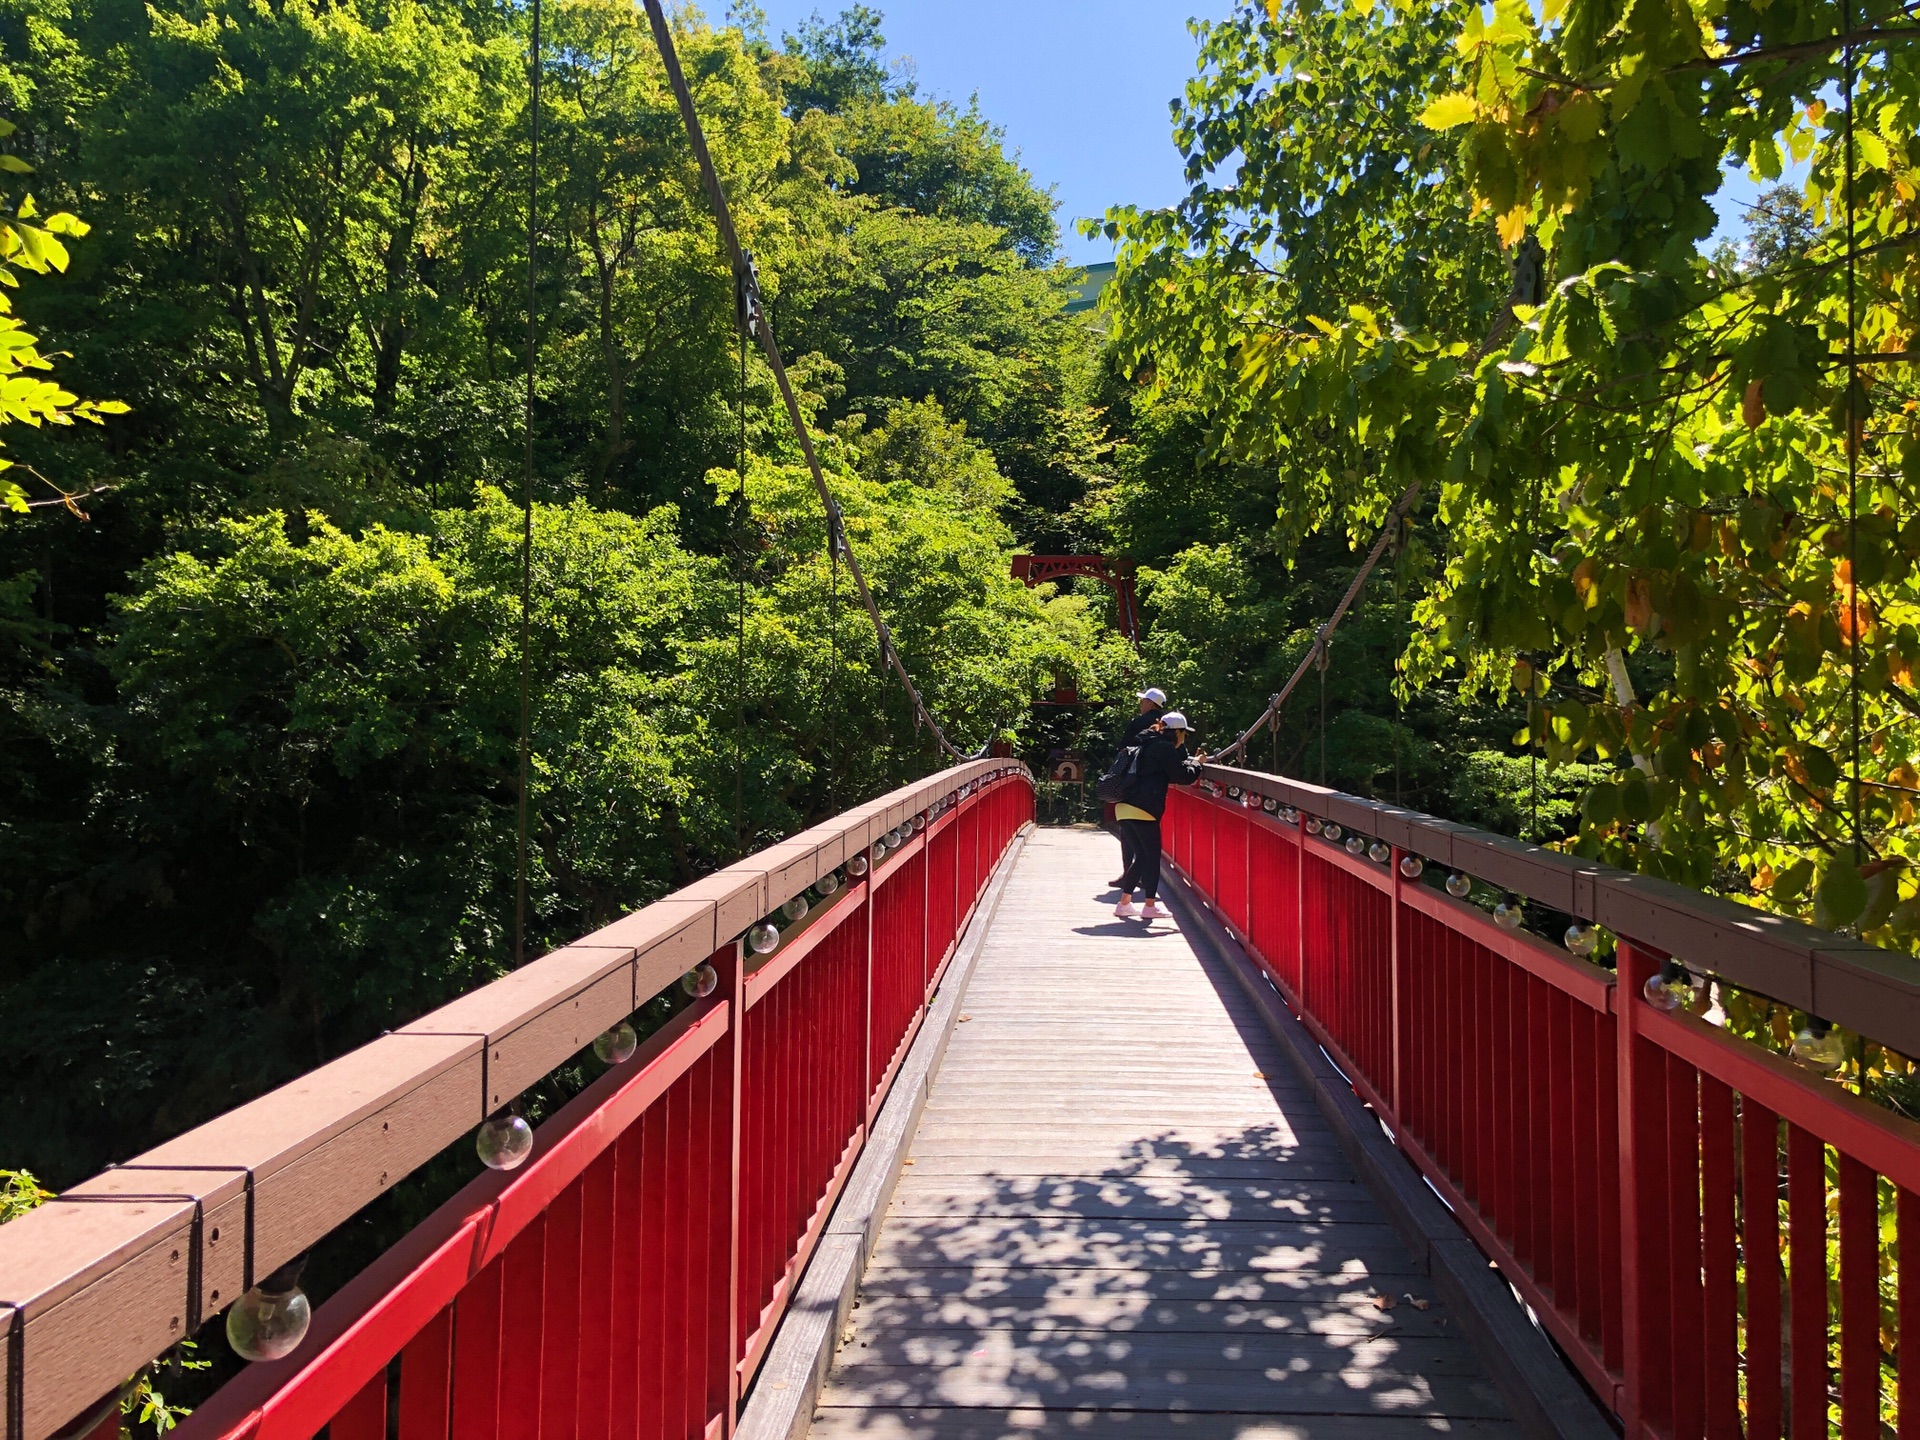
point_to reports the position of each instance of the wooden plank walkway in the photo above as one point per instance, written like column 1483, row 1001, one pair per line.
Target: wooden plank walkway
column 1122, row 1215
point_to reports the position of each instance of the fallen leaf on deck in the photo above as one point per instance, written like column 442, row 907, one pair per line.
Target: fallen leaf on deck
column 1384, row 1302
column 1418, row 1304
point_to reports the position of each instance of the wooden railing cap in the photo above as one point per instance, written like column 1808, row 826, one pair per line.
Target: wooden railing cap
column 1869, row 990
column 97, row 1282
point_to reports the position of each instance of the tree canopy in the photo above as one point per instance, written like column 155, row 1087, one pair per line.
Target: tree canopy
column 257, row 747
column 1657, row 516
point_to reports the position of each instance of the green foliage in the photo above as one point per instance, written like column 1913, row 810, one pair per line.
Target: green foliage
column 302, row 800
column 1638, row 521
column 19, row 1193
column 258, row 729
column 25, row 399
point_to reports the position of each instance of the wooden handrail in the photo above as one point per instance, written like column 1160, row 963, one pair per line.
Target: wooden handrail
column 109, row 1274
column 1871, row 991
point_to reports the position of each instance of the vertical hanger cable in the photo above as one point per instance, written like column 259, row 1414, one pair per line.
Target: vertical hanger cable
column 526, row 506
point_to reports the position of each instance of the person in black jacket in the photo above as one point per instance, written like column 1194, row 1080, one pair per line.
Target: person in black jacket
column 1153, row 704
column 1164, row 761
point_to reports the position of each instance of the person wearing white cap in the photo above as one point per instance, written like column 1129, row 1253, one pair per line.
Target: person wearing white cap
column 1164, row 761
column 1153, row 701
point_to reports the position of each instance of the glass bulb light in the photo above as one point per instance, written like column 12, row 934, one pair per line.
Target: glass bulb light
column 1233, row 792
column 857, row 865
column 1330, row 830
column 1411, row 866
column 879, row 851
column 1379, row 853
column 1507, row 914
column 1313, row 825
column 919, row 823
column 1669, row 987
column 1290, row 815
column 271, row 1319
column 1818, row 1046
column 616, row 1046
column 701, row 981
column 1355, row 845
column 827, row 883
column 764, row 938
column 1458, row 885
column 1270, row 805
column 795, row 909
column 503, row 1141
column 1580, row 939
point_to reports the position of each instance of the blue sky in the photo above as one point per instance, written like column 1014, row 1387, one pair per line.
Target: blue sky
column 1081, row 88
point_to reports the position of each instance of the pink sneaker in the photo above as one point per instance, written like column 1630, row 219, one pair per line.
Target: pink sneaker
column 1125, row 909
column 1152, row 911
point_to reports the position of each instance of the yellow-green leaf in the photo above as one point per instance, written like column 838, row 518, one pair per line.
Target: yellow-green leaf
column 1449, row 111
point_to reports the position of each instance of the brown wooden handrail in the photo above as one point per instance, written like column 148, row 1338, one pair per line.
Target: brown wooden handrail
column 1871, row 991
column 108, row 1275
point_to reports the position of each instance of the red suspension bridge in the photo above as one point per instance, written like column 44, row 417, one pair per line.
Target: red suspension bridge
column 1336, row 1153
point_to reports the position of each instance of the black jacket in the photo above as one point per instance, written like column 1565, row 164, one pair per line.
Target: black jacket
column 1162, row 763
column 1138, row 726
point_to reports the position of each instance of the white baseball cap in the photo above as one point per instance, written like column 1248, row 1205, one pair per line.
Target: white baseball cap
column 1156, row 695
column 1174, row 720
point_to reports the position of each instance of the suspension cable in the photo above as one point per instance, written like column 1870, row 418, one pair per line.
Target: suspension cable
column 740, row 518
column 1316, row 654
column 757, row 325
column 526, row 512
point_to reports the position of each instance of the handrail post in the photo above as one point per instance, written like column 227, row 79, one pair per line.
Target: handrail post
column 1634, row 965
column 731, row 964
column 869, row 905
column 1300, row 912
column 1396, row 988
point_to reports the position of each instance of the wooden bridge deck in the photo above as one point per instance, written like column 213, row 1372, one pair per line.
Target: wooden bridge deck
column 1123, row 1215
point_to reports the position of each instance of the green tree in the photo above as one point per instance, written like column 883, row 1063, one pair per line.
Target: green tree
column 1641, row 509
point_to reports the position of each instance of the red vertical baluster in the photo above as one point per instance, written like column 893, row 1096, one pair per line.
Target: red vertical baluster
column 1563, row 1163
column 1539, row 1102
column 1719, row 1361
column 689, row 1300
column 1908, row 1392
column 623, row 1283
column 426, row 1372
column 1859, row 1301
column 594, row 1406
column 1683, row 1240
column 1609, row 1252
column 522, row 1328
column 1509, row 1046
column 1760, row 1235
column 1807, row 1276
column 1656, row 1268
column 1633, row 968
column 1590, row 1252
column 477, row 1358
column 560, row 1306
column 364, row 1417
column 649, row 1299
column 1398, row 999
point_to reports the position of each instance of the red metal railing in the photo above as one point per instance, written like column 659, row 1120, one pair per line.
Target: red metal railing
column 627, row 1279
column 1710, row 1232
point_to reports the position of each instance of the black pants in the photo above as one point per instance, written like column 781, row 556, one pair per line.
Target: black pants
column 1141, row 839
column 1126, row 846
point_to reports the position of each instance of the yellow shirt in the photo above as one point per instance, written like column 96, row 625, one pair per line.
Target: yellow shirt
column 1130, row 812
